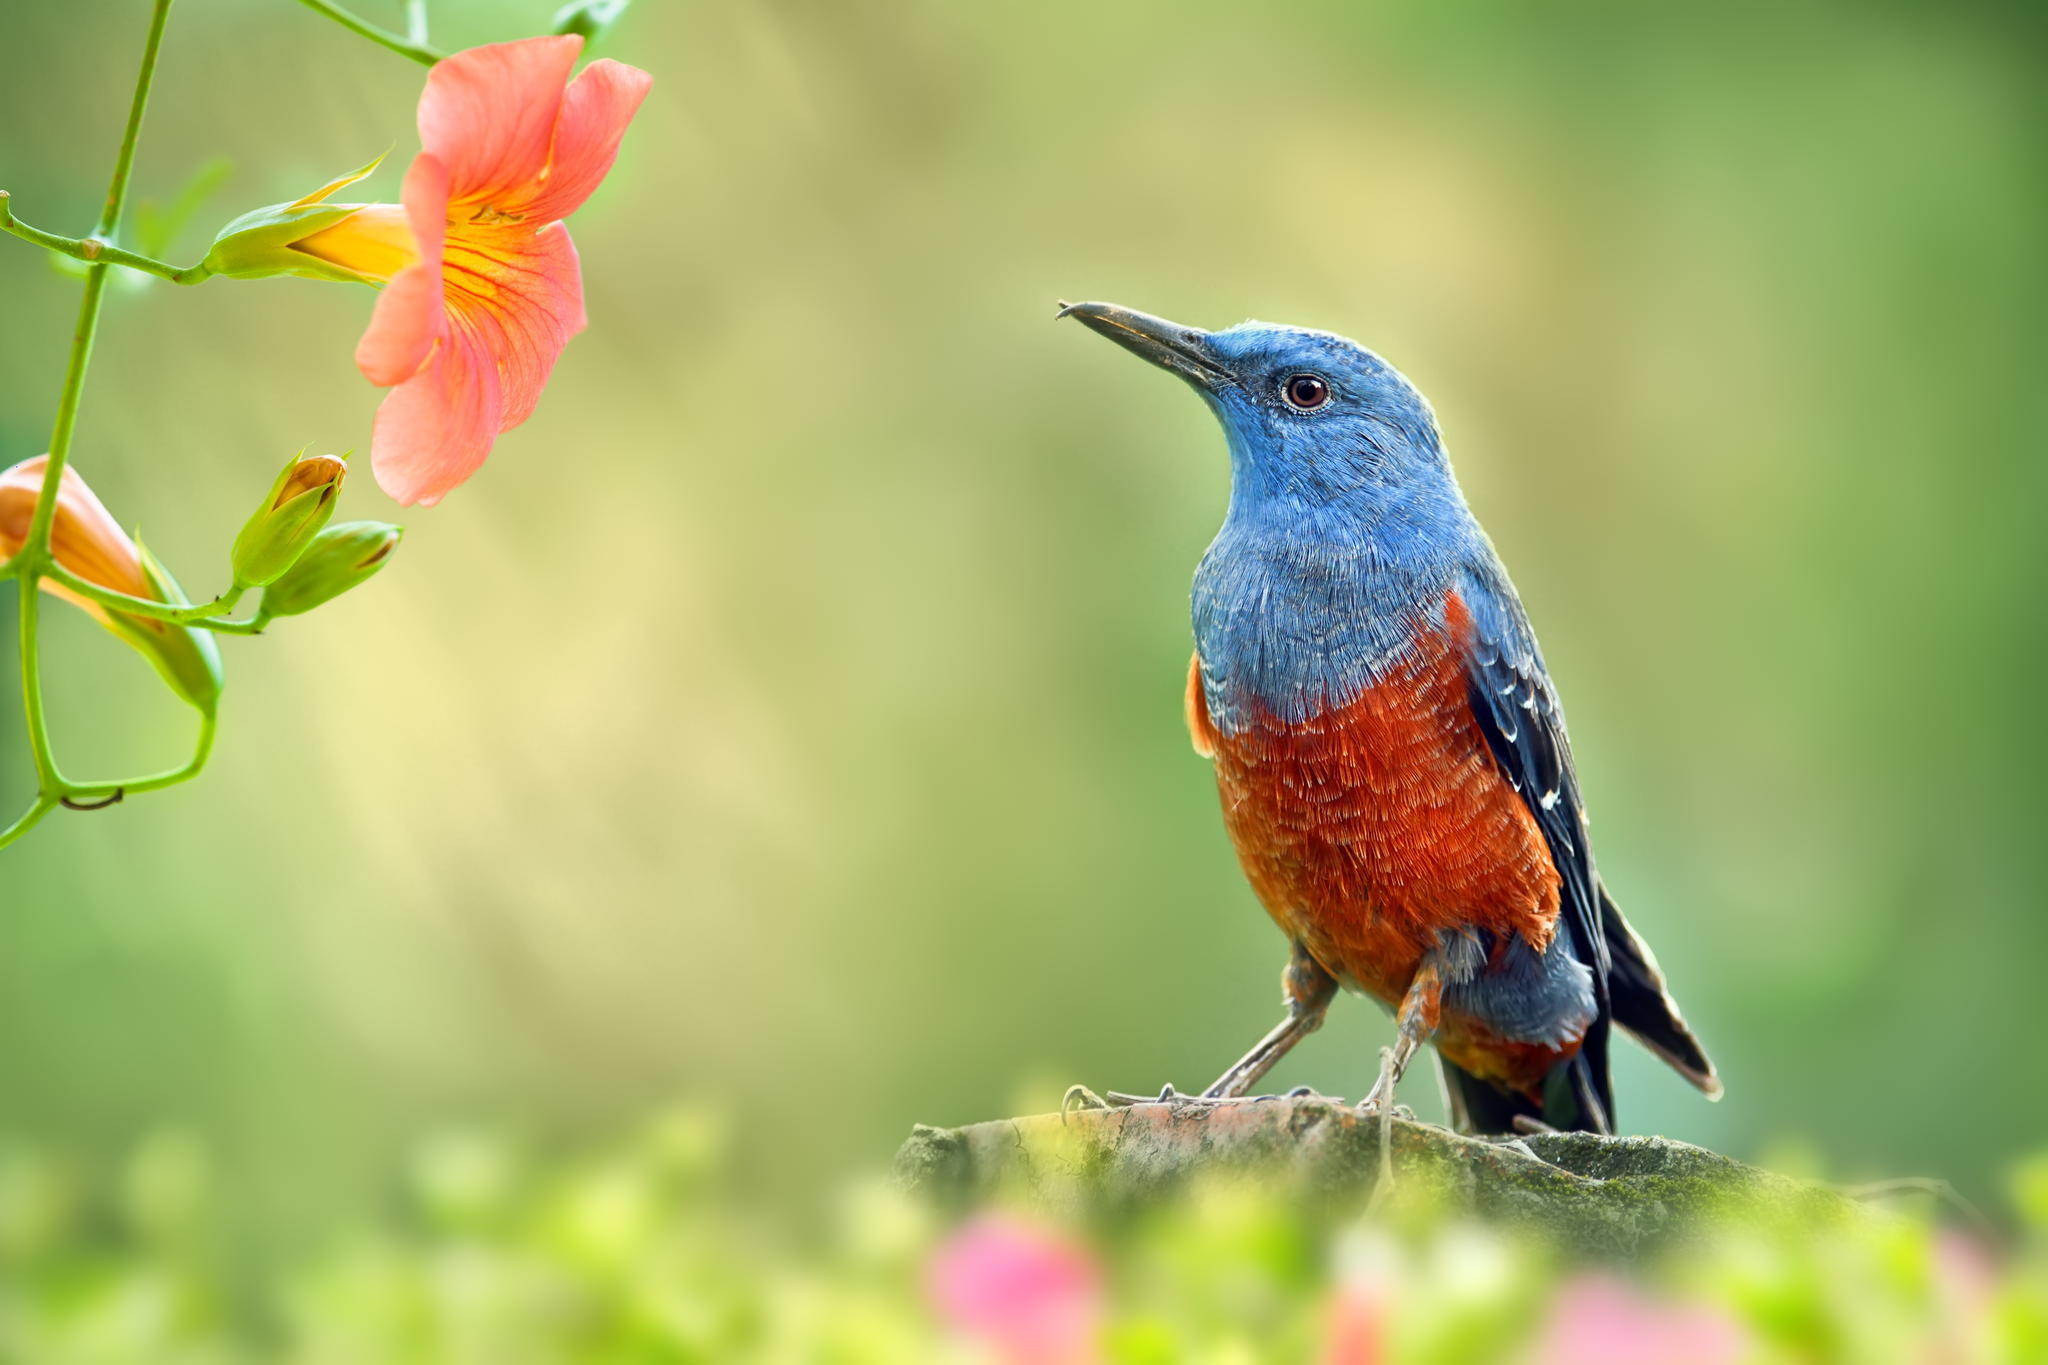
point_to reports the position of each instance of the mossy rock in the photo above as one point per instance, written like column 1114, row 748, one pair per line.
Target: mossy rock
column 1601, row 1198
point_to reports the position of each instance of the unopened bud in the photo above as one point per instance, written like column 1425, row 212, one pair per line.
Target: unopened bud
column 352, row 243
column 339, row 558
column 300, row 501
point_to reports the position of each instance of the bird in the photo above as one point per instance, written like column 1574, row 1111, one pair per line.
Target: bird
column 1388, row 746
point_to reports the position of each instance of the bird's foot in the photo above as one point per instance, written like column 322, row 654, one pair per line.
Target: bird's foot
column 1080, row 1097
column 1225, row 1090
column 1300, row 1092
column 1369, row 1108
column 1167, row 1094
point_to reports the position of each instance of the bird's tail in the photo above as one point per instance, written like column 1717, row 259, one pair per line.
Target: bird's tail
column 1576, row 1096
column 1642, row 1005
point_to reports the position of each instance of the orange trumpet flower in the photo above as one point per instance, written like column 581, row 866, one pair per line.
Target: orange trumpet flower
column 484, row 289
column 85, row 538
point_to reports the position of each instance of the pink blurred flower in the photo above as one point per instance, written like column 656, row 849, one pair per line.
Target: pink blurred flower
column 1965, row 1272
column 1355, row 1326
column 1034, row 1297
column 1360, row 1309
column 1604, row 1321
column 483, row 287
column 1966, row 1284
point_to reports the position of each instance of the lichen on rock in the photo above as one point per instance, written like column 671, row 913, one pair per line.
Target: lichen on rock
column 1602, row 1198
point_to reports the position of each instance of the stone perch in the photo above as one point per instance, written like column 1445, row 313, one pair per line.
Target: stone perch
column 1598, row 1197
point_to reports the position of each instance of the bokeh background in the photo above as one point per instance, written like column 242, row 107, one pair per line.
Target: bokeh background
column 788, row 717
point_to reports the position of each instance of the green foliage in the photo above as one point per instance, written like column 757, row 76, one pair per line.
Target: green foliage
column 633, row 1253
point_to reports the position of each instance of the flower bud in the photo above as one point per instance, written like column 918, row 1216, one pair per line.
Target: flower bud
column 85, row 539
column 301, row 500
column 339, row 558
column 351, row 243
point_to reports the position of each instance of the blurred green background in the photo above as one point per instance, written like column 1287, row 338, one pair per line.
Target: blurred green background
column 788, row 717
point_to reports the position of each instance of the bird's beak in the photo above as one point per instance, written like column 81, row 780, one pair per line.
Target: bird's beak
column 1187, row 351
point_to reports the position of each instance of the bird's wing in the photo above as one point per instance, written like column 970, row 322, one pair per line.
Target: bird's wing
column 1517, row 710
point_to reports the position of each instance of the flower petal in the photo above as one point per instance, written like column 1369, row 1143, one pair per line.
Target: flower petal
column 489, row 113
column 339, row 184
column 408, row 318
column 519, row 294
column 596, row 109
column 433, row 430
column 375, row 243
column 84, row 537
column 510, row 301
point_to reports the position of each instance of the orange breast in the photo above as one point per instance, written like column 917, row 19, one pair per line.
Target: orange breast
column 1370, row 830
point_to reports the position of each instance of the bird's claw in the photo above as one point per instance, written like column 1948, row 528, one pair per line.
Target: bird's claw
column 1372, row 1108
column 1167, row 1095
column 1080, row 1097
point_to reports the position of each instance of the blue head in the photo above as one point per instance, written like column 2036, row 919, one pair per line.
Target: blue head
column 1321, row 430
column 1346, row 529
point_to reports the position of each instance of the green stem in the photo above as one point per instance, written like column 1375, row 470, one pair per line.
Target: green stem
column 94, row 251
column 34, row 559
column 416, row 49
column 86, row 792
column 35, row 549
column 37, row 544
column 416, row 21
column 131, row 136
column 28, row 820
column 49, row 778
column 201, row 615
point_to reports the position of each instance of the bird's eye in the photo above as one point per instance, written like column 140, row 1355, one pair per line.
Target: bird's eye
column 1305, row 392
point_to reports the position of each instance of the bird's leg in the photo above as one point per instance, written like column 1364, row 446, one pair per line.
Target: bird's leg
column 1414, row 1022
column 1308, row 990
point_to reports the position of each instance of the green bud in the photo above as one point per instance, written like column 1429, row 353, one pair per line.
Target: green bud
column 300, row 501
column 264, row 242
column 259, row 244
column 589, row 18
column 185, row 656
column 339, row 558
